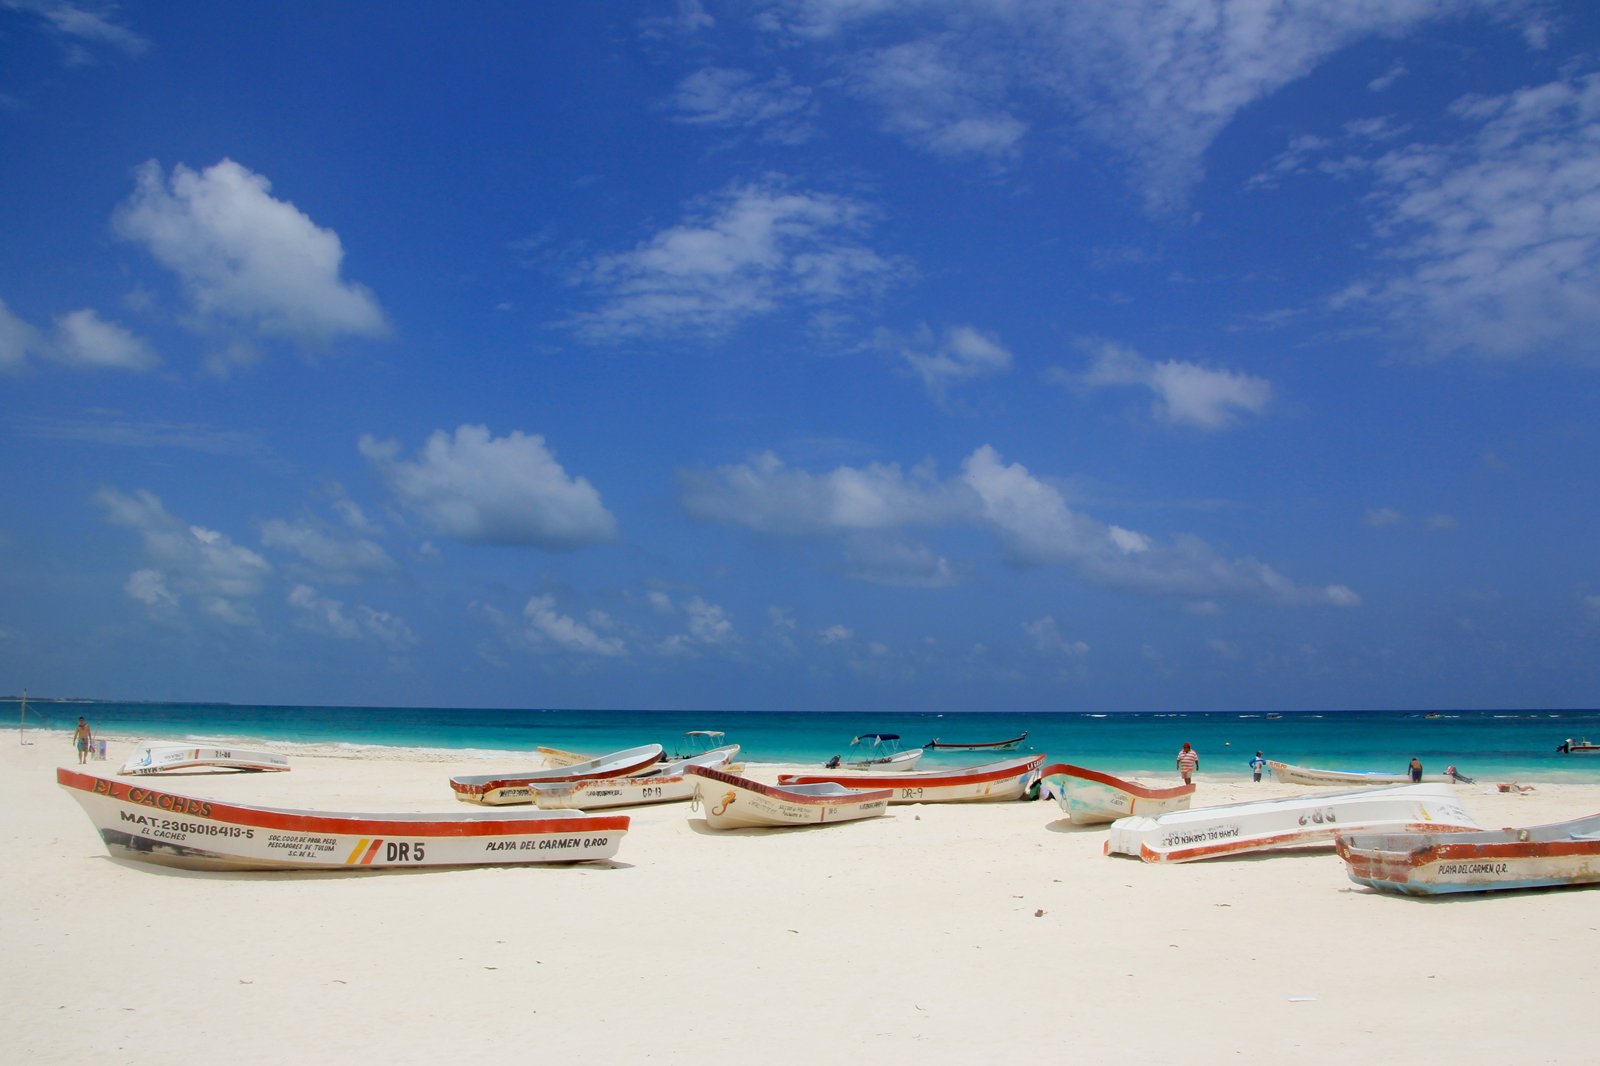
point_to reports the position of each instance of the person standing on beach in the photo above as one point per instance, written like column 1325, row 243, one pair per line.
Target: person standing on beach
column 1256, row 766
column 80, row 740
column 1416, row 768
column 1188, row 762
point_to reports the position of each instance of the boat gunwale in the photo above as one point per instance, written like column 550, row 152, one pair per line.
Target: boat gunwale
column 996, row 771
column 1133, row 788
column 523, row 822
column 779, row 792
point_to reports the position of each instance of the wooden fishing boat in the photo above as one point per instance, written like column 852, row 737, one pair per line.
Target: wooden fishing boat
column 513, row 787
column 1430, row 864
column 1007, row 779
column 731, row 802
column 137, row 822
column 1089, row 796
column 163, row 756
column 993, row 745
column 1578, row 747
column 880, row 752
column 661, row 783
column 1292, row 821
column 1306, row 775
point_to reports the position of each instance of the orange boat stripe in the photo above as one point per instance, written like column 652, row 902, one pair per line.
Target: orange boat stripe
column 355, row 853
column 372, row 851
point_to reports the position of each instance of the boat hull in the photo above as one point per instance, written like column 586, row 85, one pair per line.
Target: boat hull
column 1090, row 797
column 898, row 763
column 731, row 802
column 670, row 783
column 512, row 788
column 149, row 825
column 1553, row 856
column 996, row 745
column 1007, row 779
column 155, row 757
column 1295, row 821
column 1307, row 775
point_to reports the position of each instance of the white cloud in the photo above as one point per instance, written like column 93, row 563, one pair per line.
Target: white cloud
column 733, row 99
column 244, row 256
column 835, row 634
column 150, row 587
column 766, row 495
column 334, row 556
column 1498, row 235
column 750, row 251
column 1029, row 518
column 84, row 339
column 888, row 560
column 1153, row 81
column 493, row 490
column 1381, row 517
column 1387, row 79
column 1186, row 394
column 329, row 617
column 78, row 26
column 944, row 102
column 1047, row 638
column 962, row 354
column 18, row 340
column 187, row 560
column 548, row 627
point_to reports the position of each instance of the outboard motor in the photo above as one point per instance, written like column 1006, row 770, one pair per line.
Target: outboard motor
column 831, row 764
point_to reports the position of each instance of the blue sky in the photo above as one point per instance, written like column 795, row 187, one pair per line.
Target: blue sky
column 830, row 354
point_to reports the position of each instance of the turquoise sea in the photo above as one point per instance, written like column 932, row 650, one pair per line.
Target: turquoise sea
column 1498, row 745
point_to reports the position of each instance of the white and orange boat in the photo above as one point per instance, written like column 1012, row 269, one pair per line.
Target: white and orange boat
column 729, row 801
column 155, row 826
column 667, row 782
column 1287, row 822
column 1006, row 779
column 1430, row 864
column 1089, row 796
column 493, row 789
column 164, row 756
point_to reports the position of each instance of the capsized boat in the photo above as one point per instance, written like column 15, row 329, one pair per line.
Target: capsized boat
column 161, row 756
column 1291, row 821
column 1306, row 775
column 992, row 745
column 137, row 822
column 1089, row 796
column 661, row 783
column 1006, row 779
column 880, row 752
column 729, row 801
column 1430, row 864
column 513, row 787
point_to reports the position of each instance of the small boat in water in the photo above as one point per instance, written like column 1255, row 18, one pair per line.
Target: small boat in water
column 163, row 756
column 993, row 745
column 1306, row 775
column 731, row 802
column 661, row 783
column 1292, row 821
column 137, row 822
column 513, row 787
column 1089, row 796
column 1578, row 747
column 1006, row 779
column 880, row 752
column 1431, row 864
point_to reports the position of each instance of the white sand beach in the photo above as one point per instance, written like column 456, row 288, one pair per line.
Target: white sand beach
column 936, row 934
